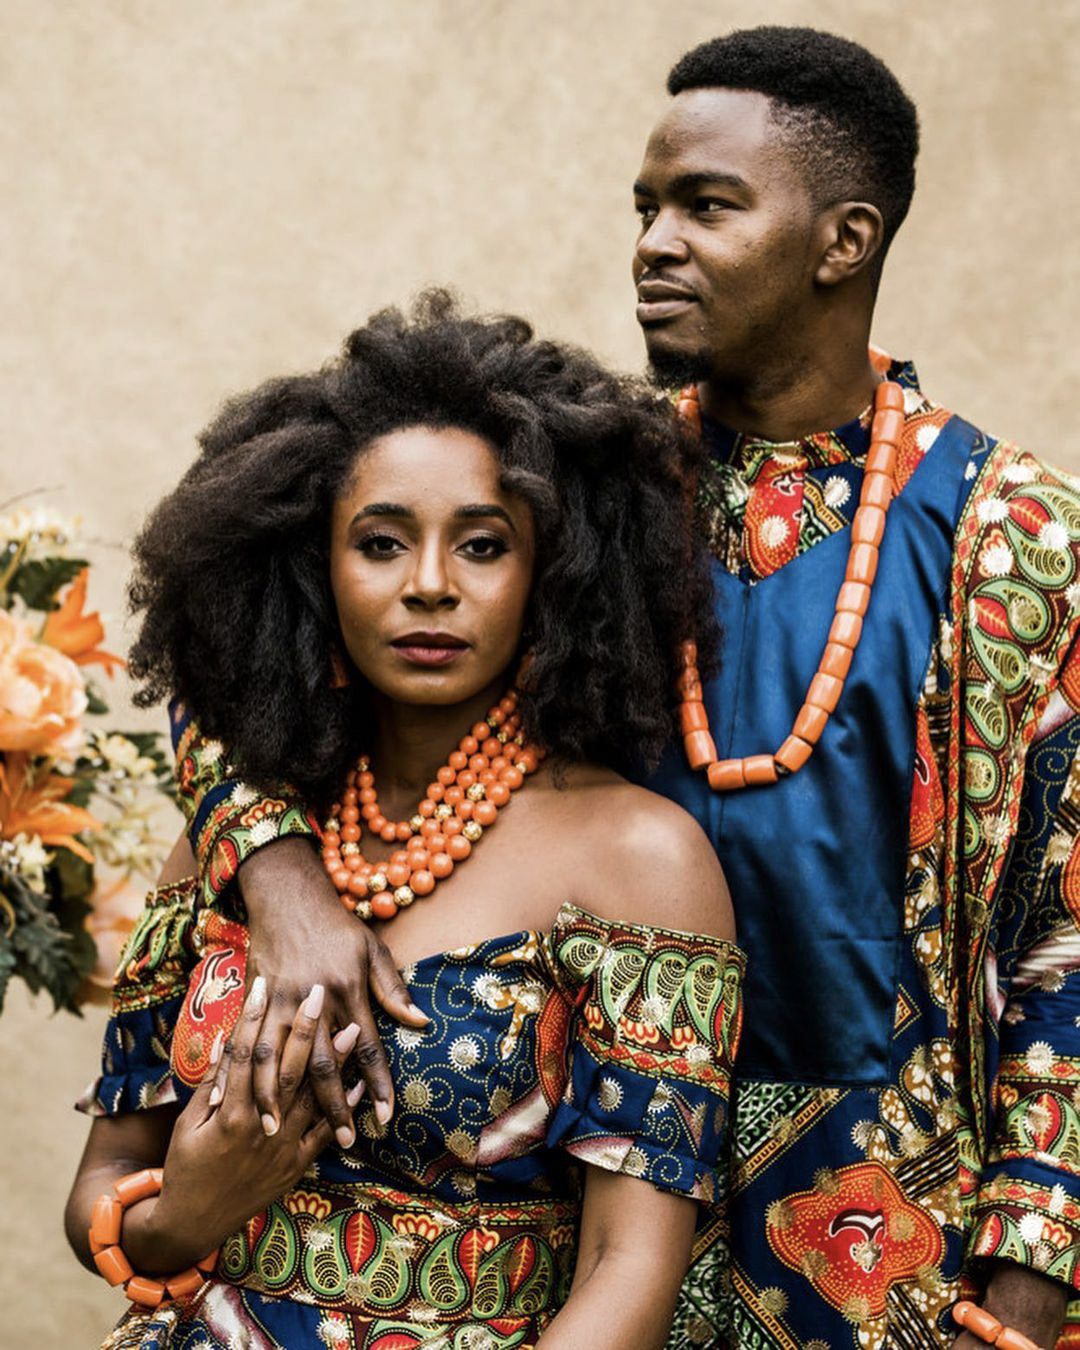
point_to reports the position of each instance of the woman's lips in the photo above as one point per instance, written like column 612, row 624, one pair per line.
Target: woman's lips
column 435, row 649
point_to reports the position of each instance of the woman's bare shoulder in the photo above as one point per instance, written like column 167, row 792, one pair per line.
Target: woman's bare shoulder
column 650, row 862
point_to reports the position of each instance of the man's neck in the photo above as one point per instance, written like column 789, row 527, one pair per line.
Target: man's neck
column 816, row 394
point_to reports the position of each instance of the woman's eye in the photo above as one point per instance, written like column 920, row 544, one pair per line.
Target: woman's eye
column 483, row 547
column 380, row 546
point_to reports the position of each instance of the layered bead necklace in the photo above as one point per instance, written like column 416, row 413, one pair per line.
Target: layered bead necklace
column 476, row 782
column 867, row 532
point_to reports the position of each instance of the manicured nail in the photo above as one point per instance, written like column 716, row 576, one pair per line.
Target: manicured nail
column 269, row 1124
column 345, row 1134
column 354, row 1094
column 346, row 1038
column 215, row 1049
column 312, row 1005
column 256, row 1000
column 383, row 1112
column 215, row 1094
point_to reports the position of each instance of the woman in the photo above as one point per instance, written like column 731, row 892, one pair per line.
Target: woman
column 347, row 583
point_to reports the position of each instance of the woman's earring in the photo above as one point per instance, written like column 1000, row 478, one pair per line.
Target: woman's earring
column 339, row 676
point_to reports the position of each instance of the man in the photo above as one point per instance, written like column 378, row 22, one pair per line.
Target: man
column 905, row 1125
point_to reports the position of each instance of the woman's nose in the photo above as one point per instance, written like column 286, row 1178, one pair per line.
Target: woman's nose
column 431, row 585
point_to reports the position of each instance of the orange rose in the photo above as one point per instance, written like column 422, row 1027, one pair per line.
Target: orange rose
column 75, row 633
column 42, row 696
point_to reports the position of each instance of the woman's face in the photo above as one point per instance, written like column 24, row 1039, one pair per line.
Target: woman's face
column 430, row 565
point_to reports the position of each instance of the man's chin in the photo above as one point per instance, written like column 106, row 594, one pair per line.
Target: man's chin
column 671, row 369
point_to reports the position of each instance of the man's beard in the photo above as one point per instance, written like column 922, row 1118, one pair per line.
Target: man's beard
column 673, row 370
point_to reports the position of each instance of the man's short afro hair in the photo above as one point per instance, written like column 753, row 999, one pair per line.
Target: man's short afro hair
column 854, row 131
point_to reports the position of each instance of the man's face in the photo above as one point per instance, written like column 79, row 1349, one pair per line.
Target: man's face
column 725, row 261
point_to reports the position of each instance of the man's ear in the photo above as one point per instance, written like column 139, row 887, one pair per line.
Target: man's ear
column 852, row 234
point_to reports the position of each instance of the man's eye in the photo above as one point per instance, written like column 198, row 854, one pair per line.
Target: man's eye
column 646, row 211
column 483, row 547
column 711, row 206
column 380, row 546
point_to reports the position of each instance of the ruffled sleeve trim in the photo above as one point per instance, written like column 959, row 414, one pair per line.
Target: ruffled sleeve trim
column 657, row 1015
column 148, row 993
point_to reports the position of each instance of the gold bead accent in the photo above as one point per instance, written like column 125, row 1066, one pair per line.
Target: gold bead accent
column 377, row 881
column 492, row 723
column 443, row 811
column 333, row 825
column 415, row 822
column 519, row 739
column 363, row 764
column 404, row 895
column 521, row 766
column 476, row 793
column 363, row 910
column 348, row 849
column 471, row 831
column 501, row 737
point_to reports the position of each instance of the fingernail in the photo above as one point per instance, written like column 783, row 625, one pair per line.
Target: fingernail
column 383, row 1112
column 257, row 995
column 346, row 1038
column 354, row 1094
column 418, row 1011
column 269, row 1124
column 215, row 1049
column 215, row 1094
column 345, row 1134
column 314, row 1001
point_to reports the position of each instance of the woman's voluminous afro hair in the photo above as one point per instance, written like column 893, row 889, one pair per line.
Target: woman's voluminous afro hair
column 232, row 575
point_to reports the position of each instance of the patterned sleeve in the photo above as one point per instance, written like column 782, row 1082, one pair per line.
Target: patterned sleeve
column 148, row 992
column 227, row 820
column 1027, row 1206
column 656, row 1025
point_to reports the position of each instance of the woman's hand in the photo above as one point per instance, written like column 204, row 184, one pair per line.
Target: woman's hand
column 302, row 935
column 221, row 1167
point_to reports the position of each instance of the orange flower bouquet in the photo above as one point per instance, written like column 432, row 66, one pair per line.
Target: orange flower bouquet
column 71, row 796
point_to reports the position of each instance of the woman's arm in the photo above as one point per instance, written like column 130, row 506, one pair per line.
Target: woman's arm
column 220, row 1168
column 634, row 1251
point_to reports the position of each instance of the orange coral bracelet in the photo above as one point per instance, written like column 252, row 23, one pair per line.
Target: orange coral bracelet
column 988, row 1329
column 106, row 1219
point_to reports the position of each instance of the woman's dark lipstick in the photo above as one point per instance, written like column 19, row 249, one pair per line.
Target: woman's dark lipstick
column 430, row 649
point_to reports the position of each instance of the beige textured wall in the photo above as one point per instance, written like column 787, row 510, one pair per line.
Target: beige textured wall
column 201, row 194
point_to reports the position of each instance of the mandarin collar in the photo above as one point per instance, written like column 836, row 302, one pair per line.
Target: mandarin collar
column 845, row 444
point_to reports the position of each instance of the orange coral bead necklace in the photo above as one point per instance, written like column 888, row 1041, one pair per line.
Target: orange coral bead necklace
column 867, row 532
column 478, row 779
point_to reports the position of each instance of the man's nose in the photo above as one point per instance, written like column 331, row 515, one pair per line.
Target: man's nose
column 662, row 243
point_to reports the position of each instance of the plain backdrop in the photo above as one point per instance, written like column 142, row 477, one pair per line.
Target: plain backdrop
column 200, row 195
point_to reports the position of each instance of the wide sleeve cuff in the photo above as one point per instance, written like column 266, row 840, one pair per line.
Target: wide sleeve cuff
column 655, row 1027
column 228, row 820
column 148, row 993
column 1029, row 1213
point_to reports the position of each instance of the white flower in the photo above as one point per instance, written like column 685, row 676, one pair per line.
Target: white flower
column 653, row 1009
column 995, row 828
column 774, row 530
column 43, row 531
column 1058, row 1197
column 212, row 751
column 487, row 990
column 465, row 1052
column 970, row 470
column 1040, row 671
column 926, row 436
column 1072, row 594
column 836, row 492
column 1054, row 535
column 29, row 856
column 991, row 510
column 333, row 1331
column 407, row 1037
column 996, row 560
column 1031, row 1228
column 912, row 400
column 264, row 831
column 1039, row 1057
column 243, row 795
column 697, row 1053
column 609, row 1095
column 1018, row 473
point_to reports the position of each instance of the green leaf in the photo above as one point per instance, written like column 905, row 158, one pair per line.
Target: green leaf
column 37, row 583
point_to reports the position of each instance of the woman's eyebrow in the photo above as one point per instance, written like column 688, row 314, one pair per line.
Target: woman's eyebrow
column 383, row 509
column 480, row 509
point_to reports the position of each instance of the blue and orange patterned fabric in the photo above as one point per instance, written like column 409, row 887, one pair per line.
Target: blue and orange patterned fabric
column 599, row 1042
column 907, row 1101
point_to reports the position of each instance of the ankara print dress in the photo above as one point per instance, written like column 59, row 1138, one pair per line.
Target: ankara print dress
column 456, row 1227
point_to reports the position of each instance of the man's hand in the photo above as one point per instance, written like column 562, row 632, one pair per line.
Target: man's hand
column 302, row 935
column 1023, row 1299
